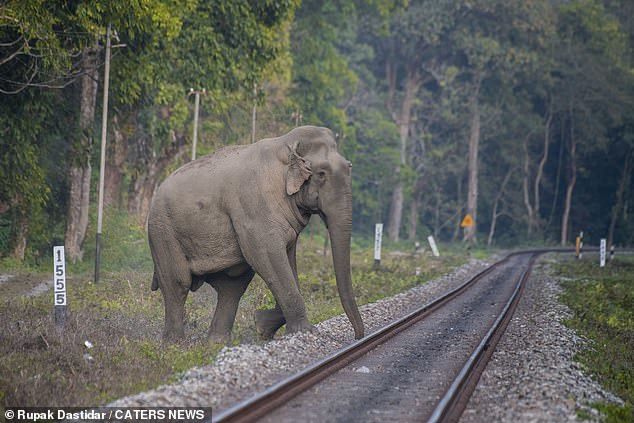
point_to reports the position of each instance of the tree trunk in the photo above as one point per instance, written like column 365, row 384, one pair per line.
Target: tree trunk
column 571, row 184
column 80, row 169
column 540, row 168
column 494, row 213
column 553, row 206
column 494, row 219
column 115, row 161
column 414, row 210
column 140, row 195
column 530, row 212
column 437, row 213
column 78, row 207
column 144, row 184
column 413, row 220
column 412, row 82
column 456, row 232
column 396, row 212
column 618, row 203
column 474, row 141
column 19, row 239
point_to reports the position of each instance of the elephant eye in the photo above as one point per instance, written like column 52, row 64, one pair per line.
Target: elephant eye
column 321, row 173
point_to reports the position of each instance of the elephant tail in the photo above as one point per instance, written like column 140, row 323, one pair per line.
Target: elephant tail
column 155, row 282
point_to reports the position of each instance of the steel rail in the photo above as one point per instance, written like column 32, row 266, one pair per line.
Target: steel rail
column 455, row 400
column 281, row 392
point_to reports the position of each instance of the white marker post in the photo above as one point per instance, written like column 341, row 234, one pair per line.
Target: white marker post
column 602, row 253
column 59, row 277
column 432, row 244
column 378, row 235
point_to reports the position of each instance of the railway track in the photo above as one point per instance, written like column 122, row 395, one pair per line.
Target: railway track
column 422, row 367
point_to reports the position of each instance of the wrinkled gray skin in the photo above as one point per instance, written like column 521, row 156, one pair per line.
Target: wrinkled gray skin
column 223, row 217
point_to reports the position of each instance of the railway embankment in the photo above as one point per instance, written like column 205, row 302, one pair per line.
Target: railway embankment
column 243, row 370
column 121, row 320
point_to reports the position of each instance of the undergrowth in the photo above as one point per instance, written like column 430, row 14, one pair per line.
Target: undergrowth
column 602, row 301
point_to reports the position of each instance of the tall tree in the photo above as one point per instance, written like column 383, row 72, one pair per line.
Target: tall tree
column 495, row 40
column 80, row 170
column 408, row 58
column 590, row 67
column 34, row 56
column 624, row 182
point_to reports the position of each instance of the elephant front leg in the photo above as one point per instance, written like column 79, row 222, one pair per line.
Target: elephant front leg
column 267, row 322
column 269, row 258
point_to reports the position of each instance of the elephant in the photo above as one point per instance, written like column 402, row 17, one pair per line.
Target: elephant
column 225, row 216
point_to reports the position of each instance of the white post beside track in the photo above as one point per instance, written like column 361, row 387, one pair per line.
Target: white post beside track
column 378, row 235
column 59, row 291
column 434, row 247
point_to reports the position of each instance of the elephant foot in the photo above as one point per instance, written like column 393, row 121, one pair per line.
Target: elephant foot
column 220, row 338
column 267, row 322
column 302, row 326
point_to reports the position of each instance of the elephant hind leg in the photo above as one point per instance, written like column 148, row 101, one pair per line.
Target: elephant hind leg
column 267, row 322
column 230, row 290
column 172, row 275
column 155, row 282
column 174, row 297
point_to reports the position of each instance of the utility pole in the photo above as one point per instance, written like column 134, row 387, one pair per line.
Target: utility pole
column 254, row 113
column 102, row 165
column 197, row 94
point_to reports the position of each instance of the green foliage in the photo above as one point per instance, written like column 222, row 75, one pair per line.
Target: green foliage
column 588, row 23
column 167, row 48
column 602, row 300
column 24, row 191
column 374, row 155
column 20, row 170
column 343, row 65
column 322, row 78
column 124, row 244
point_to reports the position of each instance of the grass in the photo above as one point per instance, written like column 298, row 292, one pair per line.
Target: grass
column 602, row 301
column 123, row 319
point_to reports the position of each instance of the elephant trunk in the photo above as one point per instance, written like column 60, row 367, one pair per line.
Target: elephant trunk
column 339, row 229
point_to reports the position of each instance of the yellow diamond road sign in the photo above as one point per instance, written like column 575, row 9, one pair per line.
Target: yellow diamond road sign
column 467, row 222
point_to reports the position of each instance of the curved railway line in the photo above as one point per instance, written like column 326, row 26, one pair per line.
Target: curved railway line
column 422, row 367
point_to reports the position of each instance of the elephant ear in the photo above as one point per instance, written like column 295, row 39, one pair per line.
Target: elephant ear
column 298, row 171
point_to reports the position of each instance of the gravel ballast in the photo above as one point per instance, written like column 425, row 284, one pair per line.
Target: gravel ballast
column 240, row 371
column 532, row 375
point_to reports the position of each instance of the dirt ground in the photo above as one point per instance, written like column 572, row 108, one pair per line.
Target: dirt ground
column 28, row 284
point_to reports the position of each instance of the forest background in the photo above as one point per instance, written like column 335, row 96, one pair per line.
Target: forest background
column 519, row 112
